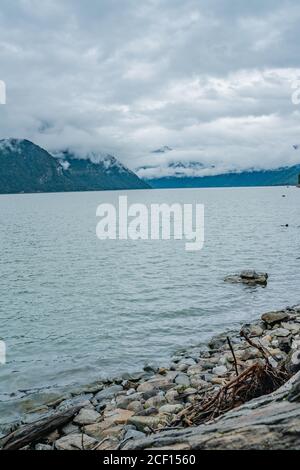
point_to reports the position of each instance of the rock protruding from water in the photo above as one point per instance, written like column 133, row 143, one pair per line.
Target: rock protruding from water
column 249, row 277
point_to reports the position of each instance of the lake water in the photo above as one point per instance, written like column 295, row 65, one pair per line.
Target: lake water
column 75, row 309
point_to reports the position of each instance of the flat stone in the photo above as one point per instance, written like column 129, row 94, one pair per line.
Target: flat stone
column 293, row 327
column 110, row 443
column 198, row 383
column 133, row 434
column 195, row 370
column 124, row 400
column 75, row 442
column 143, row 422
column 155, row 401
column 281, row 332
column 154, row 385
column 170, row 409
column 134, row 377
column 189, row 361
column 43, row 447
column 250, row 353
column 86, row 416
column 182, row 379
column 172, row 396
column 152, row 410
column 220, row 370
column 113, row 431
column 135, row 406
column 274, row 317
column 109, row 392
column 253, row 330
column 80, row 400
column 70, row 429
column 119, row 416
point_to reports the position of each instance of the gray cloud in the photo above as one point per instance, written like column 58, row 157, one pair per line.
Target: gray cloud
column 212, row 79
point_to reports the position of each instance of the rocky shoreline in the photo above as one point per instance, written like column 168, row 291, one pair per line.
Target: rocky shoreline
column 136, row 411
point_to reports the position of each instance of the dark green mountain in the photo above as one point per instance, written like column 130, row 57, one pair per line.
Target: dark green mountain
column 278, row 177
column 27, row 168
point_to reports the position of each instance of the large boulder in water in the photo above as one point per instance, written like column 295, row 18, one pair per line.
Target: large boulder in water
column 249, row 277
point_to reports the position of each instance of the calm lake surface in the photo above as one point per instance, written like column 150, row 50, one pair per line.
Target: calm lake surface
column 75, row 309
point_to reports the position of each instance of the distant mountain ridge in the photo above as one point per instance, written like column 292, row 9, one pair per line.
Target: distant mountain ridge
column 277, row 177
column 27, row 168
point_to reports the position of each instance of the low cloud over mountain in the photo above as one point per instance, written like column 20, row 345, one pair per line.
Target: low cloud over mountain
column 211, row 80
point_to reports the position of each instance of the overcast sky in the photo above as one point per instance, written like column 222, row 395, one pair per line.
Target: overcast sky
column 209, row 78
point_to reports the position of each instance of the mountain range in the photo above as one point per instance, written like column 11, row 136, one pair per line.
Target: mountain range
column 277, row 177
column 27, row 168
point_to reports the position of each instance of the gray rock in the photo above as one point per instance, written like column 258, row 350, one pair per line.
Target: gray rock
column 252, row 275
column 293, row 362
column 109, row 392
column 135, row 406
column 86, row 416
column 189, row 361
column 123, row 401
column 75, row 442
column 274, row 317
column 220, row 370
column 70, row 429
column 252, row 330
column 152, row 410
column 43, row 447
column 133, row 434
column 293, row 327
column 152, row 368
column 133, row 377
column 198, row 383
column 248, row 277
column 80, row 400
column 172, row 396
column 155, row 401
column 170, row 409
column 280, row 332
column 182, row 379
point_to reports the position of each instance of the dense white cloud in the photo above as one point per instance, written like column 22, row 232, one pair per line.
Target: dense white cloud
column 211, row 79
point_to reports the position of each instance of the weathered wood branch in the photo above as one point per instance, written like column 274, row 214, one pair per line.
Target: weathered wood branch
column 31, row 433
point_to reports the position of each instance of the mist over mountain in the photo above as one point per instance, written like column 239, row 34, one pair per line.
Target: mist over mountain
column 277, row 177
column 28, row 168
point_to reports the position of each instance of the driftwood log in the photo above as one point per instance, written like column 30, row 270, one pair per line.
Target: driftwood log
column 31, row 433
